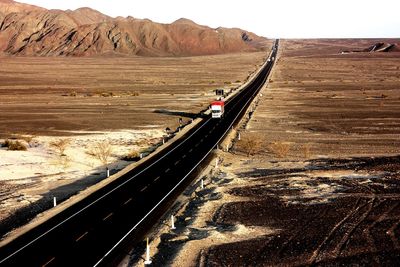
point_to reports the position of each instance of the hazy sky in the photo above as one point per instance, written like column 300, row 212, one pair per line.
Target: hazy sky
column 279, row 18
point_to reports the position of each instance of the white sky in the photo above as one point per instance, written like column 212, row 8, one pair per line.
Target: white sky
column 279, row 18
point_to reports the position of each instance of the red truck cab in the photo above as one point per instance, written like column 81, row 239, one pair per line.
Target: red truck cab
column 217, row 109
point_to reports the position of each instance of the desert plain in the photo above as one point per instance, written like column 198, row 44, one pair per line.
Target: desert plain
column 125, row 102
column 315, row 176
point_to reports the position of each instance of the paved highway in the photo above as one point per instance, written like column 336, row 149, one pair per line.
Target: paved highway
column 95, row 230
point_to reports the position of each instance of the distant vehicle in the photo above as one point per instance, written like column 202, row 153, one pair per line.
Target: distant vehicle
column 219, row 92
column 217, row 109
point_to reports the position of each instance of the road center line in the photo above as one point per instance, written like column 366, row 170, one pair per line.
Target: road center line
column 177, row 162
column 144, row 188
column 126, row 202
column 47, row 263
column 79, row 238
column 167, row 170
column 108, row 216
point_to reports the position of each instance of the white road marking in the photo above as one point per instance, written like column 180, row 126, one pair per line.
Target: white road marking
column 158, row 177
column 108, row 216
column 79, row 238
column 184, row 156
column 126, row 202
column 144, row 188
column 47, row 263
column 177, row 162
column 167, row 170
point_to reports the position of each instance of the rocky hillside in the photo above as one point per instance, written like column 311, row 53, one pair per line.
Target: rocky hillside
column 34, row 31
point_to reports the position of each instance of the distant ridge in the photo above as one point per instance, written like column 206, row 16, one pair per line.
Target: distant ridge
column 27, row 30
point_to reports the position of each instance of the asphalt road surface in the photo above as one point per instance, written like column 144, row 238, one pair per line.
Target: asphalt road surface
column 94, row 231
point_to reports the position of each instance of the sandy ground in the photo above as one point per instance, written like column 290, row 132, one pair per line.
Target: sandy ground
column 322, row 186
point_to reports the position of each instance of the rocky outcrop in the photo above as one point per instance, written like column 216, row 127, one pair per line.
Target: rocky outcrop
column 378, row 47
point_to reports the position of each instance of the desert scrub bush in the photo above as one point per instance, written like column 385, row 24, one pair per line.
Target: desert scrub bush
column 251, row 143
column 15, row 145
column 29, row 139
column 280, row 149
column 135, row 94
column 60, row 145
column 131, row 156
column 101, row 151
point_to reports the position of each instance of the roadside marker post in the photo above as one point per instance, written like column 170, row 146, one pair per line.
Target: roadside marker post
column 141, row 155
column 239, row 136
column 173, row 222
column 108, row 172
column 202, row 184
column 54, row 201
column 147, row 261
column 216, row 163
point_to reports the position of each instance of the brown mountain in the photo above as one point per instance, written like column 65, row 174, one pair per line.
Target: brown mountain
column 33, row 31
column 9, row 6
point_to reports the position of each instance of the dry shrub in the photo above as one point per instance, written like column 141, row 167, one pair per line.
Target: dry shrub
column 6, row 143
column 15, row 145
column 280, row 149
column 132, row 156
column 29, row 139
column 62, row 161
column 60, row 145
column 101, row 151
column 251, row 143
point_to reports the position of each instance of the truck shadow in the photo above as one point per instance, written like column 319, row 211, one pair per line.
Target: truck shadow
column 177, row 113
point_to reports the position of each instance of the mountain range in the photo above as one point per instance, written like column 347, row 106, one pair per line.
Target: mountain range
column 27, row 30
